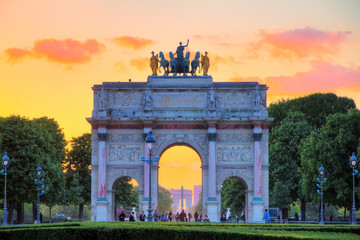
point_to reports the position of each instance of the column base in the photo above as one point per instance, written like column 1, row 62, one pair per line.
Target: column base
column 258, row 210
column 212, row 210
column 101, row 210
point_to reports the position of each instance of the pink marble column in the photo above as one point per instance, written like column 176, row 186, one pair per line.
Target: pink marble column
column 212, row 167
column 146, row 175
column 102, row 164
column 257, row 163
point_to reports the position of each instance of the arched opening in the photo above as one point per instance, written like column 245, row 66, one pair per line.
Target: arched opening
column 180, row 175
column 233, row 199
column 126, row 196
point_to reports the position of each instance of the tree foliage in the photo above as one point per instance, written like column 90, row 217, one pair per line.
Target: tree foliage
column 28, row 143
column 164, row 199
column 199, row 205
column 332, row 147
column 232, row 195
column 285, row 158
column 78, row 172
column 126, row 196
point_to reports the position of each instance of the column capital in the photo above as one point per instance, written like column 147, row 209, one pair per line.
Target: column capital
column 257, row 137
column 212, row 136
column 102, row 136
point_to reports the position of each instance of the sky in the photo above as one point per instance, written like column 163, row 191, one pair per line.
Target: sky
column 53, row 52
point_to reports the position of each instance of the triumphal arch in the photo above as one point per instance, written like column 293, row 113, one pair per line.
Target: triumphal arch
column 226, row 123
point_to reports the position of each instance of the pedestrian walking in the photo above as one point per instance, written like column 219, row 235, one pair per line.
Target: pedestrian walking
column 164, row 216
column 170, row 216
column 122, row 216
column 189, row 216
column 223, row 218
column 155, row 216
column 142, row 216
column 266, row 216
column 196, row 216
column 182, row 216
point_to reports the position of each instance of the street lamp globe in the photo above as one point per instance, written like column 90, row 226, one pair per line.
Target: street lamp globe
column 321, row 171
column 5, row 160
column 38, row 170
column 150, row 140
column 353, row 161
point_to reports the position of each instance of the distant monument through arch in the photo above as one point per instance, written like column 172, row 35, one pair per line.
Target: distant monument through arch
column 226, row 123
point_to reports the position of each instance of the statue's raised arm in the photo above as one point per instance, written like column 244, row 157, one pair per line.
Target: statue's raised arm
column 180, row 50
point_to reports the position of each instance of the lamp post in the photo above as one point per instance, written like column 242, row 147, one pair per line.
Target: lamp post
column 150, row 140
column 38, row 181
column 353, row 164
column 321, row 180
column 5, row 162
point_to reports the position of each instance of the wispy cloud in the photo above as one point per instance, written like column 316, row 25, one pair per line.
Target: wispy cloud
column 132, row 42
column 66, row 51
column 299, row 44
column 322, row 77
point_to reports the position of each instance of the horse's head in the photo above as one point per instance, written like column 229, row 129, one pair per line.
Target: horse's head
column 197, row 55
column 171, row 55
column 187, row 56
column 161, row 55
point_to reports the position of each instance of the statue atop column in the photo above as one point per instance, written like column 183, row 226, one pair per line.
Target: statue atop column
column 212, row 99
column 154, row 63
column 205, row 63
column 180, row 50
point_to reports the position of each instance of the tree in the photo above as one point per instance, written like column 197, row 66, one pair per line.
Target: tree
column 233, row 195
column 332, row 147
column 28, row 144
column 78, row 172
column 54, row 193
column 284, row 153
column 316, row 108
column 164, row 199
column 126, row 195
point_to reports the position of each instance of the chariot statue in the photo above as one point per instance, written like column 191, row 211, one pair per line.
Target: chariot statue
column 179, row 63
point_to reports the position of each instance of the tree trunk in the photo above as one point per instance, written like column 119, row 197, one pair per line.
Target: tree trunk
column 285, row 214
column 303, row 210
column 34, row 208
column 49, row 214
column 20, row 213
column 10, row 213
column 81, row 211
column 344, row 213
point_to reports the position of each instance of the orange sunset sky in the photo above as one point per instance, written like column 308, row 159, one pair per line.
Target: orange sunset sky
column 53, row 52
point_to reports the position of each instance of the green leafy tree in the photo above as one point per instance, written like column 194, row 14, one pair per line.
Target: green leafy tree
column 332, row 147
column 286, row 160
column 78, row 172
column 316, row 108
column 54, row 193
column 126, row 195
column 164, row 199
column 28, row 144
column 233, row 196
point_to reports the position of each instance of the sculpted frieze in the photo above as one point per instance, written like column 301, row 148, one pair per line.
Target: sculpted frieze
column 125, row 99
column 234, row 138
column 235, row 153
column 178, row 100
column 126, row 153
column 234, row 100
column 126, row 138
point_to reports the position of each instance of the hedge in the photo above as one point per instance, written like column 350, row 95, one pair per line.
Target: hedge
column 176, row 231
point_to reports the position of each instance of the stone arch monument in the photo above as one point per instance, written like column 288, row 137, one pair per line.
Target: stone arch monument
column 226, row 123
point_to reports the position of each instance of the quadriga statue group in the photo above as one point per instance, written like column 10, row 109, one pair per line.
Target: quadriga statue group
column 179, row 64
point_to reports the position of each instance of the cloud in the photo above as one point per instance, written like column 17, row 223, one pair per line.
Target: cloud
column 215, row 60
column 16, row 54
column 323, row 76
column 299, row 43
column 141, row 64
column 132, row 42
column 66, row 51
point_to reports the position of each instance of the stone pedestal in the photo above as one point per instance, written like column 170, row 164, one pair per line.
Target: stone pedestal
column 101, row 211
column 257, row 211
column 212, row 211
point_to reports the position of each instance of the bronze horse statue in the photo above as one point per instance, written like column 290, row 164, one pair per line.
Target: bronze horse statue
column 195, row 64
column 164, row 63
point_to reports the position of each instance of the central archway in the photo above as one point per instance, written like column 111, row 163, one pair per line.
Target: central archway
column 180, row 171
